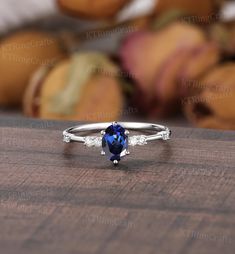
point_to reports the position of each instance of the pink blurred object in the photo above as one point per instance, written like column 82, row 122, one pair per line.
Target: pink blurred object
column 159, row 60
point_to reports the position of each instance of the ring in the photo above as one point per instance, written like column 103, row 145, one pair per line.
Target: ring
column 115, row 138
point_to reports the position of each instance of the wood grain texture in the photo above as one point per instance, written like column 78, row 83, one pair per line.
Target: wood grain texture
column 176, row 197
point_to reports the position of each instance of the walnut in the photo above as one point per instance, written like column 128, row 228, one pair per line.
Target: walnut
column 95, row 9
column 85, row 87
column 214, row 105
column 198, row 9
column 20, row 55
column 159, row 61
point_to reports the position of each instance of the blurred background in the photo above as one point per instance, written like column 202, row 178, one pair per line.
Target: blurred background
column 102, row 60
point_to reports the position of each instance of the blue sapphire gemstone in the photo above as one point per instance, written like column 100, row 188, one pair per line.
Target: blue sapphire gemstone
column 115, row 142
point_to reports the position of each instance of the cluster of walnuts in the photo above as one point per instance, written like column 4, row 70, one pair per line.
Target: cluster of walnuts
column 179, row 58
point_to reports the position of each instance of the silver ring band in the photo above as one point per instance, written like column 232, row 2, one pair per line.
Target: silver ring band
column 161, row 133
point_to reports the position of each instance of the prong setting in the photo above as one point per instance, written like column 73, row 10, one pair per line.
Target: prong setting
column 166, row 135
column 127, row 132
column 115, row 162
column 127, row 152
column 66, row 139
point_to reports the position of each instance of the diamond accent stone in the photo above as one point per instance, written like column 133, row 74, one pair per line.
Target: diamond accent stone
column 93, row 141
column 137, row 140
column 166, row 135
column 66, row 139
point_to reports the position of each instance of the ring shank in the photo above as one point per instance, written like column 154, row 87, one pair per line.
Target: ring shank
column 162, row 132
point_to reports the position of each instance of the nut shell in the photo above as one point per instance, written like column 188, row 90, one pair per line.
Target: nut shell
column 199, row 7
column 95, row 9
column 214, row 106
column 101, row 97
column 20, row 55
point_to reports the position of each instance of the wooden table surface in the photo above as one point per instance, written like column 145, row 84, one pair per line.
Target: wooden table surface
column 176, row 197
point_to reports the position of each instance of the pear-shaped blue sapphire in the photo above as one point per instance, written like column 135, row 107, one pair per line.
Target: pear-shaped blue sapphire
column 115, row 142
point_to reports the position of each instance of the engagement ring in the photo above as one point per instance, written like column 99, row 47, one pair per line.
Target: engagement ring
column 115, row 138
